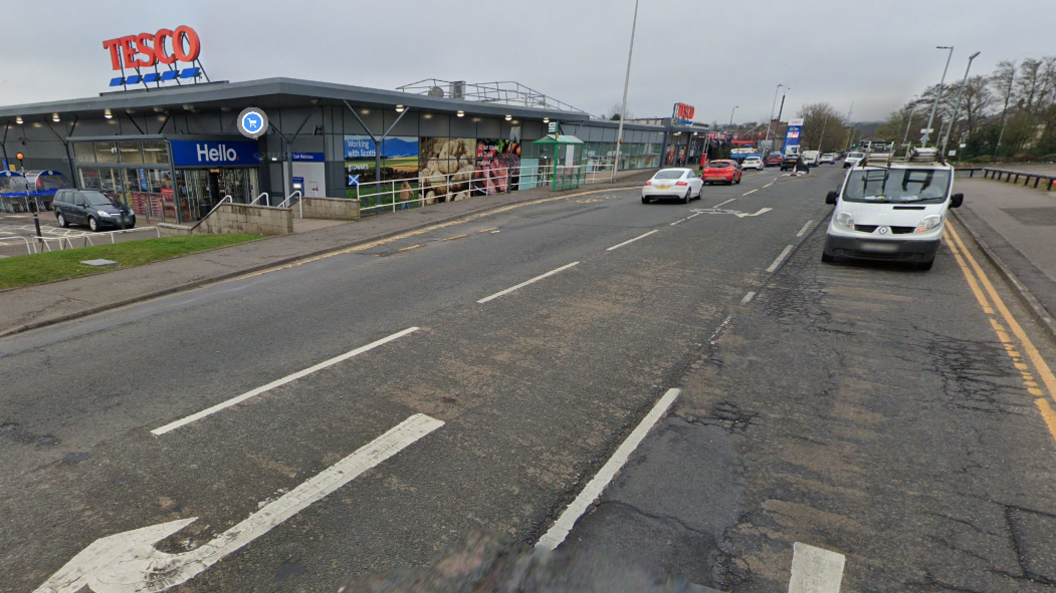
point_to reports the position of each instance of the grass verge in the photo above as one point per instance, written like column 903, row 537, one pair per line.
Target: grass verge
column 23, row 270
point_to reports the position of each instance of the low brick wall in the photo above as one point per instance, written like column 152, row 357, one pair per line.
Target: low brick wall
column 237, row 218
column 329, row 208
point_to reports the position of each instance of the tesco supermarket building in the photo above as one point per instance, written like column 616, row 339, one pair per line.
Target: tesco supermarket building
column 167, row 143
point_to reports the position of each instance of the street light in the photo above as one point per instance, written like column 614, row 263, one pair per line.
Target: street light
column 770, row 122
column 731, row 116
column 623, row 105
column 938, row 96
column 960, row 96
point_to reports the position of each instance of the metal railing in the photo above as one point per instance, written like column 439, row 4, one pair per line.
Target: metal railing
column 288, row 202
column 424, row 190
column 257, row 199
column 227, row 199
column 1014, row 176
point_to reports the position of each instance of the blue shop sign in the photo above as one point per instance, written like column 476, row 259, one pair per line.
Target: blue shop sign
column 307, row 157
column 215, row 153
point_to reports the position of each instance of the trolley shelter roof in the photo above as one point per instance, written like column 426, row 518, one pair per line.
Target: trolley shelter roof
column 549, row 139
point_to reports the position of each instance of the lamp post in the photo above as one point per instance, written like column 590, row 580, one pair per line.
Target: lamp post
column 623, row 104
column 36, row 219
column 731, row 116
column 770, row 122
column 960, row 97
column 938, row 96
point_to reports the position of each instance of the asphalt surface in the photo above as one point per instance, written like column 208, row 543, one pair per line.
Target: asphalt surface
column 865, row 409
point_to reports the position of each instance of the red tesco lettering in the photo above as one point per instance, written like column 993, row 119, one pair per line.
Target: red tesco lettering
column 145, row 50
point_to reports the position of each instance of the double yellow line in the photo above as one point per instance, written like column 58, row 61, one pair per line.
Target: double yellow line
column 1033, row 368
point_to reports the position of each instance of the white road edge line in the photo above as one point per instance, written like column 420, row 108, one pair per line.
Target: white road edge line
column 277, row 383
column 523, row 284
column 768, row 185
column 631, row 241
column 678, row 221
column 815, row 570
column 780, row 258
column 748, row 298
column 724, row 203
column 694, row 215
column 748, row 193
column 803, row 230
column 560, row 529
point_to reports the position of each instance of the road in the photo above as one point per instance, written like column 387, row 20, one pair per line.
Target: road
column 868, row 410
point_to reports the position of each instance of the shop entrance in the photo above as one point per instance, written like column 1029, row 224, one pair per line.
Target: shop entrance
column 204, row 188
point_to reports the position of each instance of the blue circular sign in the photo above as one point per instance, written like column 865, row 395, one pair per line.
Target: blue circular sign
column 252, row 122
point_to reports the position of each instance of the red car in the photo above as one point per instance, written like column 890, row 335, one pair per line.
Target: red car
column 722, row 170
column 773, row 159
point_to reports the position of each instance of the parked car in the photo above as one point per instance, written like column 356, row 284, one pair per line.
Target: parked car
column 892, row 212
column 722, row 170
column 852, row 159
column 828, row 157
column 93, row 208
column 681, row 184
column 773, row 159
column 753, row 162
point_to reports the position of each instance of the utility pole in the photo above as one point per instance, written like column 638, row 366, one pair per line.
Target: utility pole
column 770, row 122
column 938, row 96
column 850, row 130
column 623, row 104
column 960, row 97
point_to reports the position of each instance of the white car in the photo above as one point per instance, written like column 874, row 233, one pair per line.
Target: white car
column 680, row 184
column 828, row 157
column 753, row 162
column 852, row 159
column 894, row 211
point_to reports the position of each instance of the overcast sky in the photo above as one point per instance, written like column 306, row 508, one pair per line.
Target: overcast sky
column 714, row 55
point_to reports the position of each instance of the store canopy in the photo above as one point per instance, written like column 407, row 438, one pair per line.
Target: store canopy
column 550, row 139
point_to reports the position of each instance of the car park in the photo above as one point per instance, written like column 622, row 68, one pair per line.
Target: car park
column 827, row 158
column 681, row 184
column 726, row 171
column 92, row 208
column 891, row 210
column 753, row 162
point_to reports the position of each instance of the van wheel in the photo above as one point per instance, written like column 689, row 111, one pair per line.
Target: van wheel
column 62, row 219
column 827, row 259
column 93, row 224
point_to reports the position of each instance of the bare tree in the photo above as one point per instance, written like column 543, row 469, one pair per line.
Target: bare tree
column 823, row 127
column 1029, row 84
column 613, row 113
column 1003, row 80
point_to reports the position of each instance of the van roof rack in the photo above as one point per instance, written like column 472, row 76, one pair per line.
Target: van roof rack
column 924, row 155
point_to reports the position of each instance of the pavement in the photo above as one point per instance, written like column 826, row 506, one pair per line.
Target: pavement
column 45, row 304
column 1016, row 227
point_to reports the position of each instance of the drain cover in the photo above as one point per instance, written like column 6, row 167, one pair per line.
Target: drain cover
column 99, row 263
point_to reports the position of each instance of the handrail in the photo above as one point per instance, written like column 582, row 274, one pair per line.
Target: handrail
column 257, row 199
column 226, row 199
column 300, row 205
column 29, row 248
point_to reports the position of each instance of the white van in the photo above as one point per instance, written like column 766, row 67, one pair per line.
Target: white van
column 811, row 157
column 889, row 210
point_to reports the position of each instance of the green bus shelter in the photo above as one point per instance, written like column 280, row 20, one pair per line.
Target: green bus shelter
column 568, row 171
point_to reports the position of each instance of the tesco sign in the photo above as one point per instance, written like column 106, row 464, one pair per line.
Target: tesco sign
column 684, row 113
column 167, row 46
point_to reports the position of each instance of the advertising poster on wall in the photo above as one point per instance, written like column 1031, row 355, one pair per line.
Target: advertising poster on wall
column 446, row 168
column 399, row 159
column 498, row 165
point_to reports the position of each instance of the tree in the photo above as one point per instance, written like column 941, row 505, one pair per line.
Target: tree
column 1029, row 84
column 613, row 113
column 823, row 127
column 1003, row 80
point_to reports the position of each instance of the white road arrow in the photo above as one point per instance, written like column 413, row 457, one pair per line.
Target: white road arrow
column 733, row 212
column 129, row 563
